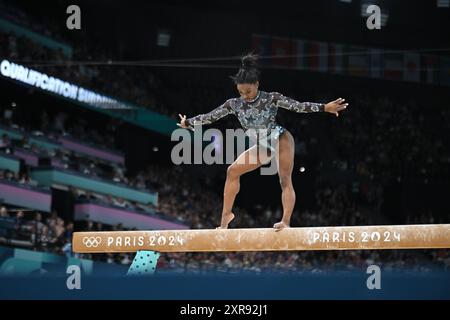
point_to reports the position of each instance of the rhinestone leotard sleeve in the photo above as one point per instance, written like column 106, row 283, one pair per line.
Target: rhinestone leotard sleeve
column 210, row 117
column 293, row 105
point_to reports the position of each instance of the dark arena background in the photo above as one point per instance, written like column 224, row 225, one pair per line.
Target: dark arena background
column 95, row 203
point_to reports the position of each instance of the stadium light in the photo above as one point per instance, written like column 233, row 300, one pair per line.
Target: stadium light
column 163, row 39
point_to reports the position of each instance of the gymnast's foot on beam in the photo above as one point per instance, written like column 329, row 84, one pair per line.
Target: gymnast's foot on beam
column 226, row 219
column 280, row 225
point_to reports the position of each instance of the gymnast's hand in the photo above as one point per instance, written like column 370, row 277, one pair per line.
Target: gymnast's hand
column 183, row 124
column 336, row 106
column 182, row 121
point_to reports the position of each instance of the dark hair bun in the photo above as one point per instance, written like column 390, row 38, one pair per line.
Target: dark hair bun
column 248, row 72
column 249, row 61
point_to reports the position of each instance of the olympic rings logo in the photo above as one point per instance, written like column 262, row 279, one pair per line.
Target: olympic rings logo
column 92, row 242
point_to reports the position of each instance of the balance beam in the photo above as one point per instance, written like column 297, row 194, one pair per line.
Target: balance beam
column 429, row 236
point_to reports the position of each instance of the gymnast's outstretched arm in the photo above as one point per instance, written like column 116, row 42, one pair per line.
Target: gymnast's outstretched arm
column 210, row 117
column 306, row 107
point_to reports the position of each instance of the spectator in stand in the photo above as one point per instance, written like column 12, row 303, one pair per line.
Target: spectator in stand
column 4, row 142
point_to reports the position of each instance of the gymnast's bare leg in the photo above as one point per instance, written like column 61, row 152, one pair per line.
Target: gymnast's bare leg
column 285, row 162
column 247, row 161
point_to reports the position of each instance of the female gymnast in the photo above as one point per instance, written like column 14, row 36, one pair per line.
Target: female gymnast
column 255, row 110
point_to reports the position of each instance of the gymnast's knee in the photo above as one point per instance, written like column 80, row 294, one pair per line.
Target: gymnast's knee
column 232, row 172
column 285, row 181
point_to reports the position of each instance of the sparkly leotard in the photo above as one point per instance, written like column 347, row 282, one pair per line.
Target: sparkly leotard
column 257, row 114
